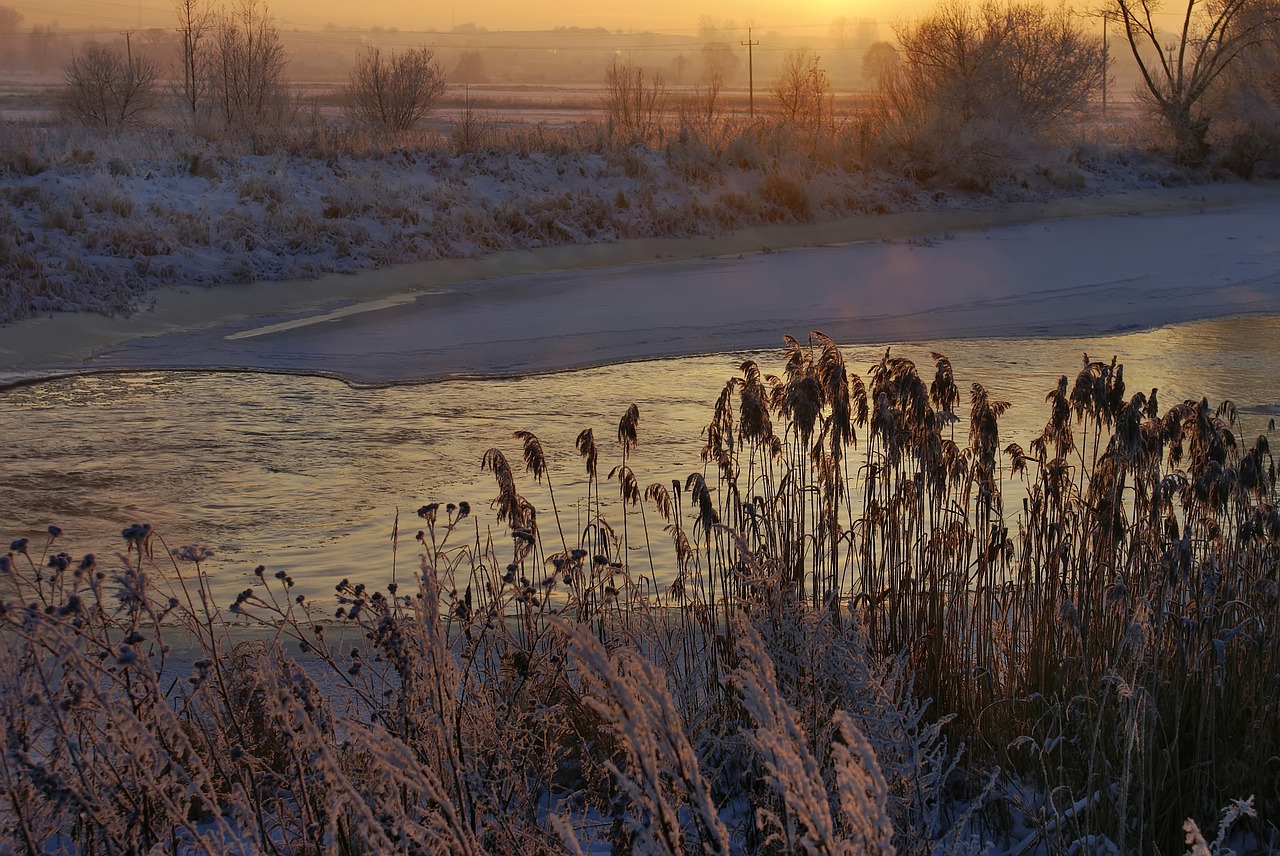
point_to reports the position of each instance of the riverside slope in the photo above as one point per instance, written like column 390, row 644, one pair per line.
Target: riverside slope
column 1080, row 266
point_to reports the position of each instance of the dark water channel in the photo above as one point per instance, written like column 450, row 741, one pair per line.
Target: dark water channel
column 305, row 474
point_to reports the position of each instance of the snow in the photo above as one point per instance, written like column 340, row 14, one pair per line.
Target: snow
column 107, row 222
column 503, row 262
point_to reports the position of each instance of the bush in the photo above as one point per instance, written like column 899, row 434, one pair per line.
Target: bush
column 246, row 64
column 1245, row 105
column 393, row 93
column 978, row 92
column 788, row 196
column 634, row 102
column 802, row 94
column 106, row 89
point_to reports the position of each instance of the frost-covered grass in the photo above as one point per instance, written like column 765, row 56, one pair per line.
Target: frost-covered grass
column 93, row 222
column 861, row 649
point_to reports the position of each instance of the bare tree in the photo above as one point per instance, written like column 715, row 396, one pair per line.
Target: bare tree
column 1178, row 72
column 702, row 111
column 40, row 40
column 977, row 90
column 802, row 93
column 393, row 93
column 633, row 101
column 194, row 22
column 1013, row 59
column 10, row 19
column 246, row 63
column 108, row 89
column 713, row 29
column 864, row 32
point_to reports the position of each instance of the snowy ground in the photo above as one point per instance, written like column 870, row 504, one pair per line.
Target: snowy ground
column 108, row 240
column 97, row 224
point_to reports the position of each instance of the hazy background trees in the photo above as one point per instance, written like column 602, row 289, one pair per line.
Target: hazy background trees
column 879, row 61
column 970, row 92
column 10, row 22
column 470, row 68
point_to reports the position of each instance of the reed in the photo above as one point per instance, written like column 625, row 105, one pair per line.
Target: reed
column 850, row 646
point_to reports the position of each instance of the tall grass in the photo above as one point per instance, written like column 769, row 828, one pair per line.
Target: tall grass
column 850, row 646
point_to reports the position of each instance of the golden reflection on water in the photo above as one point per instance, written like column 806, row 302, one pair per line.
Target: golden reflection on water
column 305, row 474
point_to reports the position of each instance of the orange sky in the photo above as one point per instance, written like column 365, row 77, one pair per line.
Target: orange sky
column 810, row 17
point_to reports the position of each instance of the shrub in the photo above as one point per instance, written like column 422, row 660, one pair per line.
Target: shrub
column 106, row 89
column 788, row 195
column 802, row 94
column 393, row 93
column 980, row 91
column 634, row 102
column 246, row 64
column 1244, row 104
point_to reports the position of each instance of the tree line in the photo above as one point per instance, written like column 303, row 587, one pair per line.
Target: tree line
column 965, row 87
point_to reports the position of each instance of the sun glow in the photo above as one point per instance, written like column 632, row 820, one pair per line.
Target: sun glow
column 814, row 17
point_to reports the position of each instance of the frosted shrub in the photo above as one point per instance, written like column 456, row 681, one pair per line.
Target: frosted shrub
column 788, row 196
column 980, row 91
column 391, row 94
column 804, row 820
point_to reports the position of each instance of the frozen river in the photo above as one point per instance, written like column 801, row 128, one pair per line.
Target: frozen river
column 305, row 474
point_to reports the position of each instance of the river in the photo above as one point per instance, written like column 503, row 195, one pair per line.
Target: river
column 306, row 474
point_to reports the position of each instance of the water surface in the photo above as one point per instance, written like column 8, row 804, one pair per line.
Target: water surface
column 306, row 474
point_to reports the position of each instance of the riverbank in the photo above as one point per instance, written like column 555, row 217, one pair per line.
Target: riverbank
column 1070, row 266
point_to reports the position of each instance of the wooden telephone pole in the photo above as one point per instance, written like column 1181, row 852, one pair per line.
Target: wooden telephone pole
column 751, row 74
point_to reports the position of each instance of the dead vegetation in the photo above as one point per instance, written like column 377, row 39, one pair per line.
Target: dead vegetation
column 858, row 647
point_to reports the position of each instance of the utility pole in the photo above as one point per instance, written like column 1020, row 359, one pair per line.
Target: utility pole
column 1105, row 65
column 128, row 48
column 1106, row 16
column 751, row 74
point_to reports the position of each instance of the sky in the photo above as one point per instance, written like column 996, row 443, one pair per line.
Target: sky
column 808, row 17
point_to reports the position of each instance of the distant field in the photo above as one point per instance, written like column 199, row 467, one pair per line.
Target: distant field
column 29, row 98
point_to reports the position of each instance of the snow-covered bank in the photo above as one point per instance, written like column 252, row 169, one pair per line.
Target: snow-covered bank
column 98, row 223
column 1140, row 261
column 99, row 226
